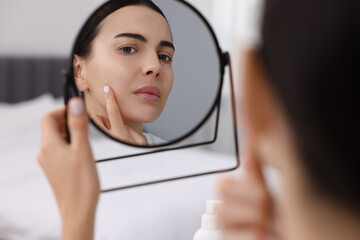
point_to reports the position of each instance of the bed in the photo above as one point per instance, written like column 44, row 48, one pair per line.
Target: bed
column 28, row 209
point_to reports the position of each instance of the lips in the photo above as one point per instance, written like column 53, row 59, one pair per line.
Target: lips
column 148, row 93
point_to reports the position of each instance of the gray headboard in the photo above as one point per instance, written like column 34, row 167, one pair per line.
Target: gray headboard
column 23, row 78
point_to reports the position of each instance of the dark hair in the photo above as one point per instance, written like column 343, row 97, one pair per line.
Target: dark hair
column 310, row 52
column 87, row 34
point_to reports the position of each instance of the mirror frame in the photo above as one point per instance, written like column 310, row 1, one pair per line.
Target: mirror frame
column 70, row 90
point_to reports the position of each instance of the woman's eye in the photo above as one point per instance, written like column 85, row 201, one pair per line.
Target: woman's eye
column 128, row 50
column 165, row 58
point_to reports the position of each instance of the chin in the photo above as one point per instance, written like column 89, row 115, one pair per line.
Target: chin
column 141, row 116
column 148, row 119
column 145, row 114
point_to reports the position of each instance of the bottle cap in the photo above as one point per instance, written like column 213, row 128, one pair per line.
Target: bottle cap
column 209, row 220
column 212, row 206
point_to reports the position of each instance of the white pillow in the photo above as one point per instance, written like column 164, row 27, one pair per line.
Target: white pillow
column 21, row 118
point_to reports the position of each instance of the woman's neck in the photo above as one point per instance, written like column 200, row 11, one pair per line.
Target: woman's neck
column 138, row 127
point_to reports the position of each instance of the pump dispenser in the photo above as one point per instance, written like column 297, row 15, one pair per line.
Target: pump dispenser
column 210, row 229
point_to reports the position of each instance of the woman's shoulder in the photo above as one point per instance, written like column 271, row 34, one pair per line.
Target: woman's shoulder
column 153, row 140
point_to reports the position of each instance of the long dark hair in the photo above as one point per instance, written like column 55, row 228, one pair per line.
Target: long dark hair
column 310, row 51
column 85, row 38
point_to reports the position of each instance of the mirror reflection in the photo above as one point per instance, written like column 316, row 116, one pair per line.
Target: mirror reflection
column 123, row 67
column 136, row 89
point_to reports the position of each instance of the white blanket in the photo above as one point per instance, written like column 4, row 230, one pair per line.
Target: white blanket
column 28, row 209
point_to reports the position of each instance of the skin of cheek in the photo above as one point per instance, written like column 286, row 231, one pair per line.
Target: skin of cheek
column 99, row 75
column 118, row 76
column 166, row 82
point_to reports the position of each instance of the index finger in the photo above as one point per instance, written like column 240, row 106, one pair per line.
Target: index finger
column 112, row 109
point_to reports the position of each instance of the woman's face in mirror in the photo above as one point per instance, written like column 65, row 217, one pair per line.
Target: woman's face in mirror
column 132, row 54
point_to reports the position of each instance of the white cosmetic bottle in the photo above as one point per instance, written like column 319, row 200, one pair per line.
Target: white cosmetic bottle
column 210, row 229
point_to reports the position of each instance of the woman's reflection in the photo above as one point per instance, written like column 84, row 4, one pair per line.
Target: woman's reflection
column 122, row 63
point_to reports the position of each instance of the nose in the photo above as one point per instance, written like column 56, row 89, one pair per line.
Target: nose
column 152, row 66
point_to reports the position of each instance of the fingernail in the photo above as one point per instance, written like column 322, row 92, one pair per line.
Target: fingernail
column 106, row 89
column 77, row 106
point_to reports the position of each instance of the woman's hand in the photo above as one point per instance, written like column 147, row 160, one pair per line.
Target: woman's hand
column 115, row 125
column 247, row 211
column 70, row 169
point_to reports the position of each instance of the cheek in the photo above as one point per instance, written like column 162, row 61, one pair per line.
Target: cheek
column 168, row 82
column 121, row 83
column 106, row 73
column 96, row 83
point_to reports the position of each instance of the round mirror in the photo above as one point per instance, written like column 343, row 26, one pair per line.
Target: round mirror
column 150, row 71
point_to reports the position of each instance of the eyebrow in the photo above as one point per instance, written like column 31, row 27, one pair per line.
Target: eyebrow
column 143, row 39
column 167, row 44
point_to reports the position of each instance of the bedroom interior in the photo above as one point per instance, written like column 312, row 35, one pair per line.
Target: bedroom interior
column 31, row 84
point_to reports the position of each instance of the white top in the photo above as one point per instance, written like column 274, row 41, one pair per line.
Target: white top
column 153, row 140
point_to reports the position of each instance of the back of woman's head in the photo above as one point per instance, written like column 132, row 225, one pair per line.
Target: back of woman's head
column 310, row 51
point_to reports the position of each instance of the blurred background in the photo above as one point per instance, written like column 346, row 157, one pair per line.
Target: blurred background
column 22, row 22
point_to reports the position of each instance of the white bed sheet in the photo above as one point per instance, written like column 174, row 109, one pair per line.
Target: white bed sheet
column 28, row 208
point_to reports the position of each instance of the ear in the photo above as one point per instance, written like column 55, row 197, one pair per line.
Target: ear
column 258, row 105
column 79, row 73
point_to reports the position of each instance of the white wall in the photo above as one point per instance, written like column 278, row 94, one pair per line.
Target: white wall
column 48, row 27
column 41, row 27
